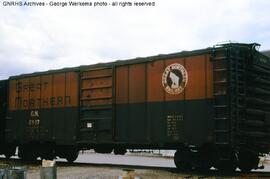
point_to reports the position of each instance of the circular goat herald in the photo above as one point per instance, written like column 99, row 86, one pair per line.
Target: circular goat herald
column 174, row 78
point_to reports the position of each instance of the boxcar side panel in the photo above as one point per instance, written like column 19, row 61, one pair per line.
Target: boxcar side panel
column 43, row 108
column 156, row 96
column 122, row 97
column 147, row 113
column 137, row 103
column 58, row 91
column 71, row 116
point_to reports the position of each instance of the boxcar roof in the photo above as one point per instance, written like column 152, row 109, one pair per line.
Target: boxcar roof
column 138, row 60
column 266, row 52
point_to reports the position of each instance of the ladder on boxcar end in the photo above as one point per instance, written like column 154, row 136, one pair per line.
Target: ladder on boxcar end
column 238, row 65
column 96, row 105
column 229, row 92
column 220, row 92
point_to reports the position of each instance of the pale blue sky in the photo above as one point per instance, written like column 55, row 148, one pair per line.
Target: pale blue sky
column 41, row 38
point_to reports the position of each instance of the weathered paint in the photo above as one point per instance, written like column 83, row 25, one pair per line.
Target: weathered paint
column 96, row 112
column 125, row 101
column 96, row 87
column 43, row 108
column 46, row 91
column 143, row 82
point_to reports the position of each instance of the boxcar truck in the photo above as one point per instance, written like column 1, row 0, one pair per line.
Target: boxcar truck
column 211, row 106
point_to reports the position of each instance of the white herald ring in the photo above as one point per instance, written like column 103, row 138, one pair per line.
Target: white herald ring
column 174, row 78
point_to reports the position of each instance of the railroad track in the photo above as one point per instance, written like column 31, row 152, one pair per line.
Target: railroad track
column 184, row 174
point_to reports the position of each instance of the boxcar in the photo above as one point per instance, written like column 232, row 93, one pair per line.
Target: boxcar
column 3, row 105
column 266, row 52
column 211, row 105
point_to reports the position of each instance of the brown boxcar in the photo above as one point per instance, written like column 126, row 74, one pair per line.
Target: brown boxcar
column 211, row 105
column 43, row 111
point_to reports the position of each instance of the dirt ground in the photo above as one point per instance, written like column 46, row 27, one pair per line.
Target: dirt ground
column 82, row 170
column 112, row 173
column 92, row 172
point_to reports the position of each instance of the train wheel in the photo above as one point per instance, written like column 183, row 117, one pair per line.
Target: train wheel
column 48, row 152
column 71, row 157
column 182, row 160
column 248, row 160
column 9, row 151
column 48, row 156
column 7, row 155
column 119, row 151
column 206, row 158
column 104, row 150
column 26, row 154
column 28, row 157
column 204, row 164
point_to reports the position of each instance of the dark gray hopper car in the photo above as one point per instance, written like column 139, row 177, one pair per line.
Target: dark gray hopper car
column 211, row 105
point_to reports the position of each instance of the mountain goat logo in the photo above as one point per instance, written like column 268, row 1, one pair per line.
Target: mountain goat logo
column 174, row 78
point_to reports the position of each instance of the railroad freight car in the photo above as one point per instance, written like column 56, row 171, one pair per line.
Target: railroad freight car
column 211, row 106
column 266, row 52
column 3, row 109
column 43, row 114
